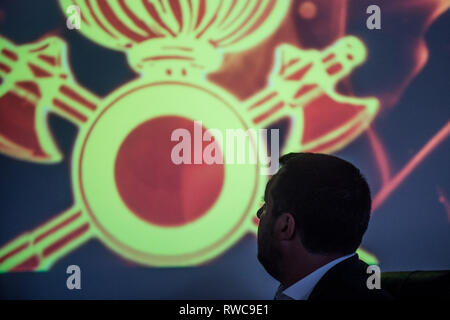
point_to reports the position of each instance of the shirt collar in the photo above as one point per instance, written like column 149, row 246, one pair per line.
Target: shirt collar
column 303, row 288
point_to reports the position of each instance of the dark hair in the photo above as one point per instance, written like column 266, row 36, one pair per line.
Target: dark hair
column 328, row 197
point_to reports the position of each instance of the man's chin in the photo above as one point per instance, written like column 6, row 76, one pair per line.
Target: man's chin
column 261, row 260
column 266, row 265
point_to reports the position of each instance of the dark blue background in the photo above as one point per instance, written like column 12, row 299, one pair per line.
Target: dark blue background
column 410, row 230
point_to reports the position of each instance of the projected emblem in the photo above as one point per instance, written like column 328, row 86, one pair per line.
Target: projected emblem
column 127, row 191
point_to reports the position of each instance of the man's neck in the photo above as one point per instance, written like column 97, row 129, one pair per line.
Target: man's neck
column 301, row 267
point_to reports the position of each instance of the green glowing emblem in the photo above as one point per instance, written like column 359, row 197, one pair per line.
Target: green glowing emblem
column 127, row 192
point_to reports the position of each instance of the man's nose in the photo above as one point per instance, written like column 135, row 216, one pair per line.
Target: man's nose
column 259, row 212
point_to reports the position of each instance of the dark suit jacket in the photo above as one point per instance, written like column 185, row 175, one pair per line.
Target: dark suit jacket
column 347, row 281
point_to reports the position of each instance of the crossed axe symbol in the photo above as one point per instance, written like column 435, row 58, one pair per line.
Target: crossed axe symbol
column 36, row 81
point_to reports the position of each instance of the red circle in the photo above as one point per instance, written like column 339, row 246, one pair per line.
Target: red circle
column 156, row 189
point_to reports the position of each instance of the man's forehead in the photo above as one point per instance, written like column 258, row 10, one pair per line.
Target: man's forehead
column 269, row 185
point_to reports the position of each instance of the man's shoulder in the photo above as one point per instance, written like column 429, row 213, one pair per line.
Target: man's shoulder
column 347, row 280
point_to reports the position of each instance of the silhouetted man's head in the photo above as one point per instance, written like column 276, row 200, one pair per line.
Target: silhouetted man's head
column 315, row 205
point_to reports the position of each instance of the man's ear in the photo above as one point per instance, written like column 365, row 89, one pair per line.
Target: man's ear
column 284, row 228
